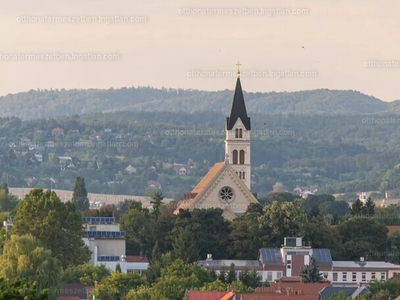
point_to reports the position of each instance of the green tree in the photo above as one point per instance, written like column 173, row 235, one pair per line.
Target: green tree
column 232, row 274
column 369, row 207
column 86, row 274
column 177, row 278
column 118, row 268
column 156, row 265
column 310, row 273
column 138, row 224
column 357, row 208
column 384, row 289
column 322, row 235
column 8, row 202
column 79, row 196
column 281, row 220
column 184, row 246
column 246, row 234
column 24, row 257
column 254, row 280
column 339, row 296
column 117, row 286
column 156, row 201
column 18, row 289
column 56, row 225
column 362, row 236
column 223, row 276
column 141, row 293
column 216, row 285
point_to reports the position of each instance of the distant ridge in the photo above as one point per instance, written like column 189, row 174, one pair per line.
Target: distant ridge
column 56, row 103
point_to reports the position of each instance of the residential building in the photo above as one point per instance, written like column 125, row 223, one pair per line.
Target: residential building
column 108, row 245
column 354, row 272
column 154, row 185
column 363, row 196
column 57, row 131
column 182, row 169
column 131, row 170
column 288, row 261
column 7, row 224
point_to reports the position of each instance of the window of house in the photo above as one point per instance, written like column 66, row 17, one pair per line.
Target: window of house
column 236, row 133
column 289, row 262
column 344, row 276
column 335, row 276
column 373, row 275
column 269, row 276
column 279, row 274
column 240, row 133
column 383, row 276
column 363, row 277
column 289, row 266
column 354, row 276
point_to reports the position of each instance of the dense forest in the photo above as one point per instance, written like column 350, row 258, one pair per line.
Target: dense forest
column 53, row 103
column 330, row 154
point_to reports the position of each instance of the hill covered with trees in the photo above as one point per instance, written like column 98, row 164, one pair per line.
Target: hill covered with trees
column 332, row 154
column 53, row 103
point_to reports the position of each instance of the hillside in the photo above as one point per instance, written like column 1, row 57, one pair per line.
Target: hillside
column 54, row 103
column 335, row 154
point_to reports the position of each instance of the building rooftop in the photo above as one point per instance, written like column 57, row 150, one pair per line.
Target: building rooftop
column 274, row 256
column 226, row 262
column 365, row 265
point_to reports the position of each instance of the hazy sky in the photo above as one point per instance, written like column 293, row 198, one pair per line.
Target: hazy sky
column 340, row 37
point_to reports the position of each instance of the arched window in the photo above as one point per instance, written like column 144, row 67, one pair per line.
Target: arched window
column 235, row 157
column 236, row 133
column 241, row 157
column 240, row 133
column 243, row 176
column 240, row 175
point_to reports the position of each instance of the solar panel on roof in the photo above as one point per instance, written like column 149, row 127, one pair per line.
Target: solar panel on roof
column 322, row 256
column 271, row 255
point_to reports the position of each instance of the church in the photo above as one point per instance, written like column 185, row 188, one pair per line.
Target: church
column 227, row 185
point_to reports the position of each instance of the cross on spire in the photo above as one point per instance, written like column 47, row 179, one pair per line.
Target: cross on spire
column 238, row 71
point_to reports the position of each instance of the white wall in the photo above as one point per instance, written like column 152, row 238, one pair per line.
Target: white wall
column 358, row 278
column 125, row 266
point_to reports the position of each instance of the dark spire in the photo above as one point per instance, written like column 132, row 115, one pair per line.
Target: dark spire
column 238, row 109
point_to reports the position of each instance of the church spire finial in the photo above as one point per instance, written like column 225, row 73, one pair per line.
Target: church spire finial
column 238, row 71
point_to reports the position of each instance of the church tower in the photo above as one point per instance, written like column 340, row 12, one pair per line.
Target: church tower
column 237, row 139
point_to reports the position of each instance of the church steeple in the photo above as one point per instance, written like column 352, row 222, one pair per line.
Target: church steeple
column 237, row 140
column 238, row 109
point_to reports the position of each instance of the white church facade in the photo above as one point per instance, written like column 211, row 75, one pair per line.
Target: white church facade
column 227, row 185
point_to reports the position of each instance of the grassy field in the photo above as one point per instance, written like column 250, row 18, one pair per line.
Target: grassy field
column 106, row 198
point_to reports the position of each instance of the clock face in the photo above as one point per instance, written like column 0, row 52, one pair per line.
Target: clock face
column 226, row 194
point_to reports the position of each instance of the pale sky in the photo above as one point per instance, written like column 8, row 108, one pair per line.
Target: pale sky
column 339, row 37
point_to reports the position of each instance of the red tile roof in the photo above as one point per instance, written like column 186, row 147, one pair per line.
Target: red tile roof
column 207, row 179
column 136, row 258
column 393, row 228
column 201, row 295
column 186, row 204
